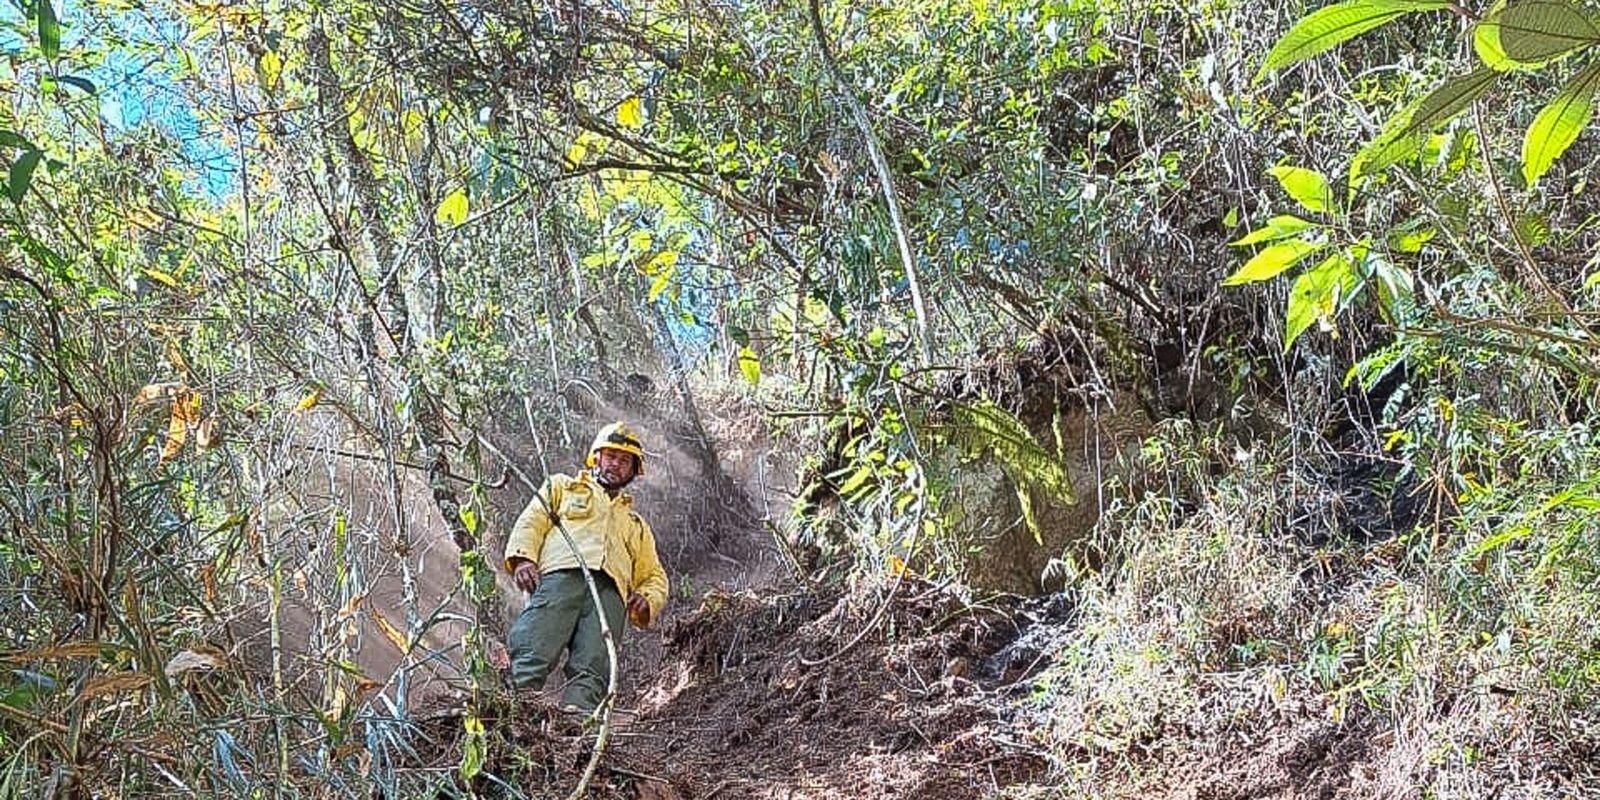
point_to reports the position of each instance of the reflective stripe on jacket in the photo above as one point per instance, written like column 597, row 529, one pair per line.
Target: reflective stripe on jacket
column 610, row 535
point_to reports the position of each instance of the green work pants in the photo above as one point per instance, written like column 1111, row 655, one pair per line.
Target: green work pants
column 561, row 615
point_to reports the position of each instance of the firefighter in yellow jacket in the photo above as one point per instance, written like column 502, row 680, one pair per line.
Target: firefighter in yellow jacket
column 613, row 543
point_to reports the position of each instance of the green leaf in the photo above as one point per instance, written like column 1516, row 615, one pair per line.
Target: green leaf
column 1231, row 218
column 1400, row 137
column 1327, row 27
column 1317, row 294
column 82, row 84
column 987, row 428
column 22, row 174
column 14, row 139
column 1308, row 187
column 1280, row 227
column 1529, row 33
column 1559, row 123
column 1410, row 241
column 750, row 365
column 856, row 480
column 1395, row 288
column 1272, row 260
column 49, row 30
column 1486, row 40
column 452, row 209
column 1534, row 229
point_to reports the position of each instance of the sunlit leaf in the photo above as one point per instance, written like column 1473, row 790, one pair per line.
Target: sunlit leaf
column 49, row 29
column 1317, row 294
column 1410, row 241
column 1558, row 124
column 1271, row 261
column 1280, row 227
column 22, row 174
column 1400, row 136
column 310, row 401
column 1327, row 27
column 1529, row 33
column 269, row 67
column 1308, row 187
column 750, row 365
column 631, row 114
column 452, row 209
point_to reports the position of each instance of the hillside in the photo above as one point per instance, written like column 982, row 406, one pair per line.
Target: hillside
column 1037, row 398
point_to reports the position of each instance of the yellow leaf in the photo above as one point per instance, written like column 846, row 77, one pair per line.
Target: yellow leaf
column 161, row 277
column 453, row 209
column 390, row 632
column 271, row 66
column 750, row 365
column 308, row 402
column 631, row 114
column 576, row 153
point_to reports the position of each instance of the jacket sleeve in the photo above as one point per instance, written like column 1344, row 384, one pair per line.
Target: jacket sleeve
column 649, row 578
column 533, row 525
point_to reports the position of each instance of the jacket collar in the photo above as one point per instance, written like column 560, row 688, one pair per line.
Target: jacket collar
column 621, row 497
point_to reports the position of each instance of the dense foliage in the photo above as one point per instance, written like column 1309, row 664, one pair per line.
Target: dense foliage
column 282, row 284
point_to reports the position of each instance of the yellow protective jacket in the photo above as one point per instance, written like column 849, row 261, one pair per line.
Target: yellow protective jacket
column 610, row 535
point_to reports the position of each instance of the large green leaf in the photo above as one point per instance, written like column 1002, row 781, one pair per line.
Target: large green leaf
column 1273, row 260
column 1280, row 227
column 14, row 139
column 1308, row 187
column 1559, row 123
column 1533, row 32
column 1317, row 294
column 1400, row 136
column 22, row 174
column 49, row 30
column 1325, row 28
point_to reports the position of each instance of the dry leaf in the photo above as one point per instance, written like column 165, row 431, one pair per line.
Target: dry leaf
column 68, row 650
column 190, row 660
column 348, row 749
column 209, row 435
column 400, row 640
column 160, row 391
column 114, row 684
column 177, row 432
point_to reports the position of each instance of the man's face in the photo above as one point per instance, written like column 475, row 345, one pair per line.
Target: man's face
column 613, row 468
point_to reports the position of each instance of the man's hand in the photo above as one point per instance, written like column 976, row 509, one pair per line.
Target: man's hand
column 526, row 576
column 638, row 610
